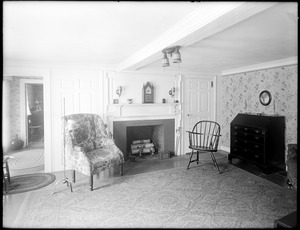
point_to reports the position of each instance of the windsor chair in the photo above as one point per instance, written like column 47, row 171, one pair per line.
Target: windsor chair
column 204, row 137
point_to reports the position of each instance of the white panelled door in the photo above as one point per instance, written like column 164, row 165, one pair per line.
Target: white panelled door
column 72, row 93
column 199, row 104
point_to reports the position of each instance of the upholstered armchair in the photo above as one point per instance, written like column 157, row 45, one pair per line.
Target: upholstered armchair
column 89, row 148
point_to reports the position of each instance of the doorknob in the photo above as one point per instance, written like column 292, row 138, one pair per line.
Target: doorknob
column 189, row 114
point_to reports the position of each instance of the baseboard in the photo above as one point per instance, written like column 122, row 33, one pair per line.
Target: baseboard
column 226, row 149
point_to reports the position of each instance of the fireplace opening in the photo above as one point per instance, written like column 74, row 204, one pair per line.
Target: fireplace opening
column 152, row 132
column 161, row 132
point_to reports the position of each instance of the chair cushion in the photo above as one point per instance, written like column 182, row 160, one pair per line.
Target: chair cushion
column 103, row 158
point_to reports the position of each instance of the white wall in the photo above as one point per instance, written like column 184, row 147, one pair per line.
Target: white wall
column 103, row 87
column 132, row 84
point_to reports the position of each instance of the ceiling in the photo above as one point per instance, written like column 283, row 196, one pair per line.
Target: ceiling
column 214, row 36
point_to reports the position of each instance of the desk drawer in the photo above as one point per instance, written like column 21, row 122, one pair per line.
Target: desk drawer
column 248, row 137
column 248, row 154
column 245, row 129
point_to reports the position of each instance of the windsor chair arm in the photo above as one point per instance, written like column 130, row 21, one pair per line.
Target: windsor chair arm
column 209, row 134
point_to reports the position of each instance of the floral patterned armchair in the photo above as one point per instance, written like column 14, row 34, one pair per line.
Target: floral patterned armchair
column 89, row 148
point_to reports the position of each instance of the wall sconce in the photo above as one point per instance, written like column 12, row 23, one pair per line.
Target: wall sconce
column 172, row 92
column 171, row 50
column 119, row 90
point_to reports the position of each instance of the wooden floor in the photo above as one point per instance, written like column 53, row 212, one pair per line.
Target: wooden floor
column 12, row 203
column 148, row 164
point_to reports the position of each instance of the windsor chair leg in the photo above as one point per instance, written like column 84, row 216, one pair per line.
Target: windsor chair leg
column 190, row 159
column 215, row 162
column 197, row 157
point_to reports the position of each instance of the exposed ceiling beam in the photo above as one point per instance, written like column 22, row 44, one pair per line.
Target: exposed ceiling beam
column 208, row 19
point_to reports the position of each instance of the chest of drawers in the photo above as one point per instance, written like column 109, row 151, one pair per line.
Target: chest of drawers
column 258, row 139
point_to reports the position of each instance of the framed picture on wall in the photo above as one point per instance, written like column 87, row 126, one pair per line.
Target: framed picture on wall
column 265, row 97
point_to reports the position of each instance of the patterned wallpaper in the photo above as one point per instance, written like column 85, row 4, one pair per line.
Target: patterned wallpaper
column 15, row 107
column 240, row 94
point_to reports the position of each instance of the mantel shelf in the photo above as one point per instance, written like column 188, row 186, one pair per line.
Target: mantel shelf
column 143, row 110
column 145, row 104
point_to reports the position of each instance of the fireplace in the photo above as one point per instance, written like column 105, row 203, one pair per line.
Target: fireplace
column 160, row 131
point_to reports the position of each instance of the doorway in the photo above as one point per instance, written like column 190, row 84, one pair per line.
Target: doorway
column 35, row 114
column 24, row 97
column 30, row 90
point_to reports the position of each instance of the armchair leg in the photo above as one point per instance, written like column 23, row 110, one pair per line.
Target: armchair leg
column 73, row 176
column 91, row 182
column 121, row 169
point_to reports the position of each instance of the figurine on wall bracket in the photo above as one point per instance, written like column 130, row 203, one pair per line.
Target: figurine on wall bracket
column 148, row 93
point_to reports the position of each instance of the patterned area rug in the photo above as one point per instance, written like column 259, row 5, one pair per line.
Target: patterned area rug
column 29, row 182
column 27, row 160
column 173, row 198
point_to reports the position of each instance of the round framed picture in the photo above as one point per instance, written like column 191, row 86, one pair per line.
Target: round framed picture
column 265, row 97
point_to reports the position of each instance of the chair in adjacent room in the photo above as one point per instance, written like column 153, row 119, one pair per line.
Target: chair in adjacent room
column 89, row 148
column 36, row 125
column 6, row 173
column 204, row 137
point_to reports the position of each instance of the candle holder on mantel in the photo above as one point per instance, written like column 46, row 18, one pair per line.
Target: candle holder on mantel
column 172, row 92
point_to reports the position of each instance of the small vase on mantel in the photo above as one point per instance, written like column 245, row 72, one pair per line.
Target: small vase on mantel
column 16, row 143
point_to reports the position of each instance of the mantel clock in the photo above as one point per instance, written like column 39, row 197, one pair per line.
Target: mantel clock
column 148, row 93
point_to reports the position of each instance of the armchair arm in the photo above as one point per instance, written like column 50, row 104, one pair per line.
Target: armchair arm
column 104, row 141
column 110, row 144
column 203, row 139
